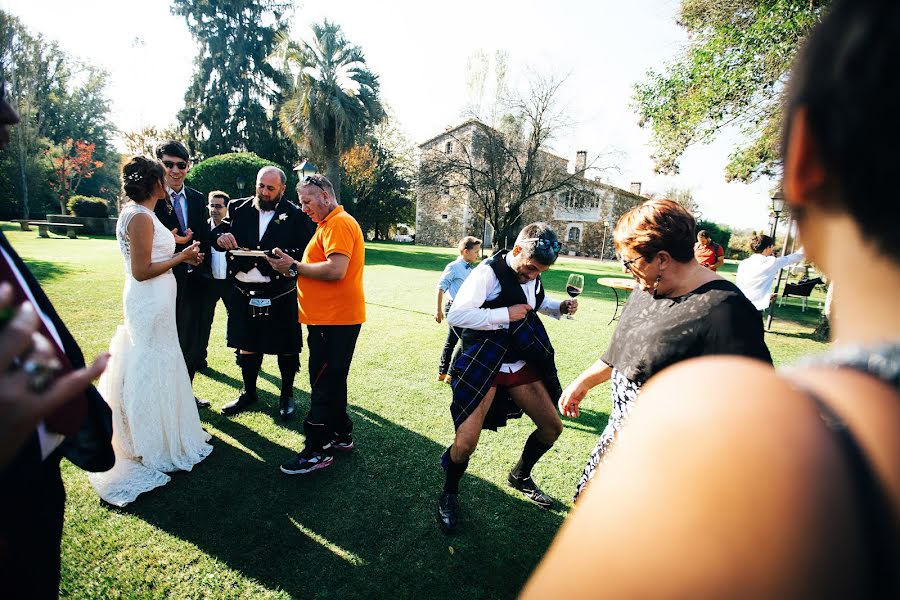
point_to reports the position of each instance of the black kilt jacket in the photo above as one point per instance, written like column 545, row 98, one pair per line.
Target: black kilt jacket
column 278, row 331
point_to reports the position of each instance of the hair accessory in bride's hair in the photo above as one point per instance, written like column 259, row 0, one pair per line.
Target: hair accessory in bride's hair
column 133, row 176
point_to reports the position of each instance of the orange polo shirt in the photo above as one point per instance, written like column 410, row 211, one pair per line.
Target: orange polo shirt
column 334, row 302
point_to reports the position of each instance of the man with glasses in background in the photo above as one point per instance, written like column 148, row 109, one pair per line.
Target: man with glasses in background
column 213, row 278
column 507, row 364
column 184, row 214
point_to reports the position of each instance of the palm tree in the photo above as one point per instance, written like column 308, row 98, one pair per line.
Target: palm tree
column 334, row 97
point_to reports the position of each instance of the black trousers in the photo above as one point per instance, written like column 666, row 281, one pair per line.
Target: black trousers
column 449, row 346
column 186, row 322
column 330, row 354
column 30, row 531
column 210, row 292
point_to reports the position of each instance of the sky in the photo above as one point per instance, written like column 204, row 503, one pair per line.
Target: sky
column 420, row 51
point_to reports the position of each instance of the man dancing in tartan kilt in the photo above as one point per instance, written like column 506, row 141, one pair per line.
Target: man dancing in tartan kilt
column 507, row 365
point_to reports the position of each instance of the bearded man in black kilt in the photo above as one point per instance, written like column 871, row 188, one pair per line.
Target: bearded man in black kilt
column 263, row 307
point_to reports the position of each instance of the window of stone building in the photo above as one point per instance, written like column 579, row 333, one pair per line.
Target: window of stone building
column 448, row 147
column 445, row 187
column 445, row 216
column 574, row 234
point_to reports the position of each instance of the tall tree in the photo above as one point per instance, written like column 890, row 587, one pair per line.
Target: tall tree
column 503, row 161
column 231, row 102
column 57, row 97
column 334, row 97
column 378, row 190
column 731, row 74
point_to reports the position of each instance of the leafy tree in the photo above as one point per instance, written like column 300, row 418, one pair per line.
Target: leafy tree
column 731, row 74
column 71, row 163
column 58, row 98
column 378, row 189
column 222, row 172
column 334, row 98
column 232, row 99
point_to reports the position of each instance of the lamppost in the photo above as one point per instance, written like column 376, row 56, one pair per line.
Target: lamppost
column 777, row 208
column 305, row 169
column 606, row 226
column 239, row 183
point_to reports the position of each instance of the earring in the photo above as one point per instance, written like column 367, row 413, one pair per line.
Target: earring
column 656, row 284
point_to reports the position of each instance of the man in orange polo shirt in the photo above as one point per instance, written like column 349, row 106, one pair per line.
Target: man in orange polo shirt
column 332, row 306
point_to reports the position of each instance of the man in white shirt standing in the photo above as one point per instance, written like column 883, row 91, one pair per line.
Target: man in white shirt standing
column 213, row 282
column 507, row 365
column 756, row 273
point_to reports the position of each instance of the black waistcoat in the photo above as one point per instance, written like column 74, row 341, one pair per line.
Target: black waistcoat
column 511, row 291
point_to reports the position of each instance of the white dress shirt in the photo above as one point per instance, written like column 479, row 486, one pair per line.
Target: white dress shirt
column 756, row 274
column 254, row 275
column 482, row 285
column 217, row 262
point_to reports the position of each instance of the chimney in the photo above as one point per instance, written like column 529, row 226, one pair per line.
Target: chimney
column 636, row 188
column 580, row 161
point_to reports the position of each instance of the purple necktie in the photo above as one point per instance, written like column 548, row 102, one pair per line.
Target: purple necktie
column 179, row 213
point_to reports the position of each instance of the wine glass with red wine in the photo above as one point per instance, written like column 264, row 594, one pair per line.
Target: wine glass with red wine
column 574, row 286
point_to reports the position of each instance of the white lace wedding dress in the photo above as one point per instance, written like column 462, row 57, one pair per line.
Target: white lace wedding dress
column 156, row 428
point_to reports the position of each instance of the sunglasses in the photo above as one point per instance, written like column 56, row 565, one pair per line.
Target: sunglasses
column 171, row 165
column 543, row 244
column 312, row 180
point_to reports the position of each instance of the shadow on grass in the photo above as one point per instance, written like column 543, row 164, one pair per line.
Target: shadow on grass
column 46, row 271
column 408, row 259
column 363, row 528
column 590, row 421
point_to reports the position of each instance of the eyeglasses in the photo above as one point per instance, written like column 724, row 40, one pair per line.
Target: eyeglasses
column 545, row 244
column 171, row 165
column 627, row 263
column 312, row 180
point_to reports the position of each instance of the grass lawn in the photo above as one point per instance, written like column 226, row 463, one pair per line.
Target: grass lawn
column 236, row 527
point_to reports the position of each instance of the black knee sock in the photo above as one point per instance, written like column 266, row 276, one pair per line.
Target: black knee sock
column 250, row 365
column 453, row 472
column 288, row 364
column 532, row 452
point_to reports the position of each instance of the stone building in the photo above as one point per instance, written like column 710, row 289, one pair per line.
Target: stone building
column 582, row 214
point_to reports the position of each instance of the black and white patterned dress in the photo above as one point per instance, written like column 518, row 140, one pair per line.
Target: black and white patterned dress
column 655, row 333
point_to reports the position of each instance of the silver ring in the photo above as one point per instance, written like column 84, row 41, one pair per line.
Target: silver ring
column 40, row 374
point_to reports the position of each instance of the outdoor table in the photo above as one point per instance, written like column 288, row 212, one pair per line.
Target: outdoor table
column 618, row 283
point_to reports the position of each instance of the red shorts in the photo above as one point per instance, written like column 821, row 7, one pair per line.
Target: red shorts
column 510, row 380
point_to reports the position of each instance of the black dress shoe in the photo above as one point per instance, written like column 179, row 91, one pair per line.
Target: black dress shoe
column 201, row 403
column 242, row 403
column 448, row 512
column 287, row 409
column 530, row 490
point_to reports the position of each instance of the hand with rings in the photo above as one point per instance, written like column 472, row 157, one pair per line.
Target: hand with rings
column 31, row 386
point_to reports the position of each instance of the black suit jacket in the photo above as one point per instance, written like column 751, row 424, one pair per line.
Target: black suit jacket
column 197, row 221
column 290, row 230
column 91, row 447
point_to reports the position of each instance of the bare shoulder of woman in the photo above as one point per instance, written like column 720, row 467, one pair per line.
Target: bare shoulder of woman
column 725, row 479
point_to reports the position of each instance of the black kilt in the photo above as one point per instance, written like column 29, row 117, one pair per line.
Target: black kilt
column 277, row 332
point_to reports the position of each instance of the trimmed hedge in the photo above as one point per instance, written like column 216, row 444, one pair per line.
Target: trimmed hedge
column 221, row 173
column 87, row 206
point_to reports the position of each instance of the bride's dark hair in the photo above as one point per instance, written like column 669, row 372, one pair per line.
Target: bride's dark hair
column 140, row 175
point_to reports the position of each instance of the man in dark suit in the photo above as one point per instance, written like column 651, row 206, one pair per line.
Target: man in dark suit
column 262, row 311
column 48, row 409
column 184, row 213
column 213, row 279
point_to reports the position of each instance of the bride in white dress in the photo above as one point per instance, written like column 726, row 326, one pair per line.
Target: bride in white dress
column 156, row 428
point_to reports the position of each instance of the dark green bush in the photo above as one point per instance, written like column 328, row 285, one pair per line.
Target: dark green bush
column 222, row 172
column 88, row 206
